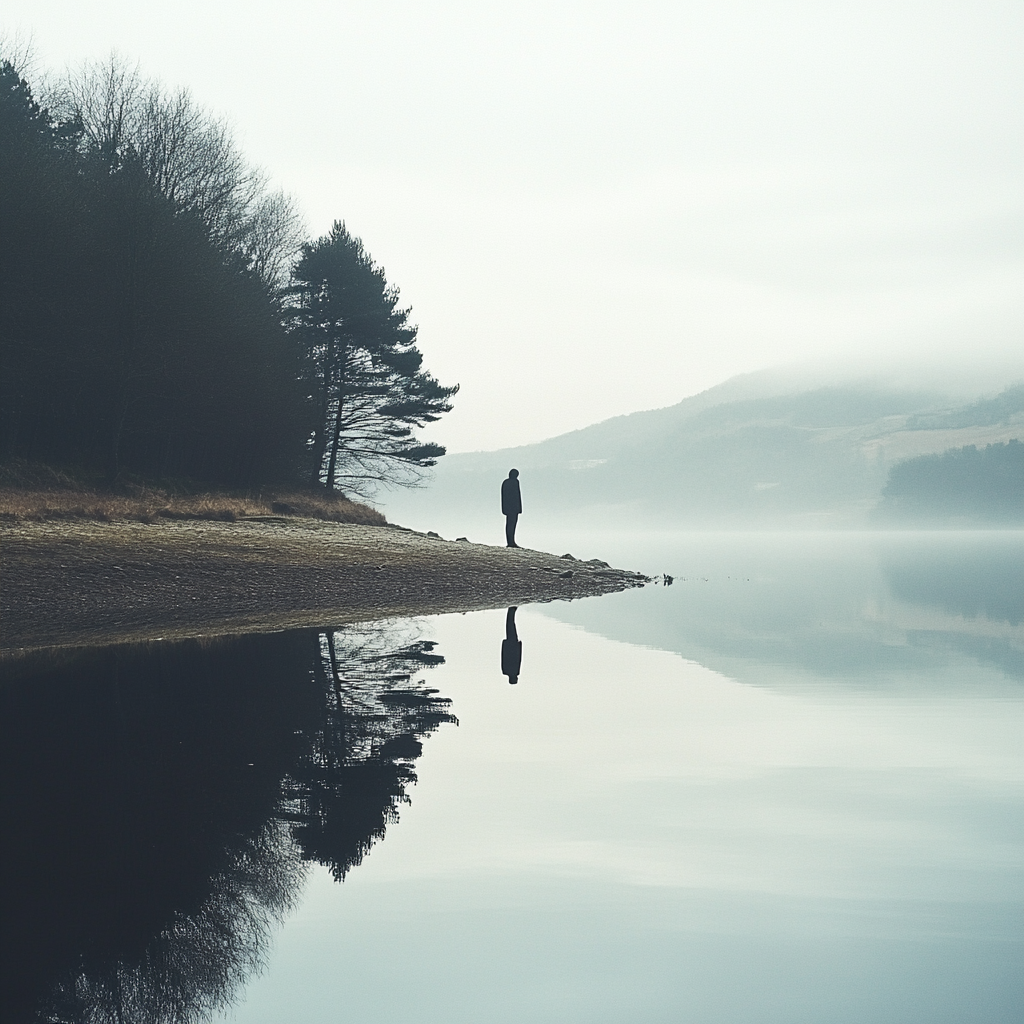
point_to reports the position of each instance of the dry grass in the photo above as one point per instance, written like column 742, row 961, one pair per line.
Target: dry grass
column 30, row 492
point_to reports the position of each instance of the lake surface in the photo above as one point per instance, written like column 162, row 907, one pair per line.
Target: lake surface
column 788, row 787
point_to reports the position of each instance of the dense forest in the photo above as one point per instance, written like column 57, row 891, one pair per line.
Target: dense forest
column 161, row 317
column 976, row 485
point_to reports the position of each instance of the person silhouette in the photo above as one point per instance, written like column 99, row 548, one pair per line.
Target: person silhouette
column 511, row 506
column 511, row 648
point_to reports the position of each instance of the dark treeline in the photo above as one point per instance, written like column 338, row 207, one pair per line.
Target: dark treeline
column 162, row 802
column 986, row 412
column 150, row 323
column 975, row 485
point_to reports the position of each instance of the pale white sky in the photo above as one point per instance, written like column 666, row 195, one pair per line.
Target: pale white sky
column 595, row 208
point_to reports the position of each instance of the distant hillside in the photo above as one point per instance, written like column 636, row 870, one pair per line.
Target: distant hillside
column 962, row 486
column 986, row 412
column 729, row 457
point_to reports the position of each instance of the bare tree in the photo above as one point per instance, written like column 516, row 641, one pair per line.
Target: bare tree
column 188, row 154
column 19, row 51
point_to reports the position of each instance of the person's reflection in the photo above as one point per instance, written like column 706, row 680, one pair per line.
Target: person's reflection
column 511, row 648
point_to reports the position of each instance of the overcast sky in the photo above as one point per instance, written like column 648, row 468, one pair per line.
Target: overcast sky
column 595, row 208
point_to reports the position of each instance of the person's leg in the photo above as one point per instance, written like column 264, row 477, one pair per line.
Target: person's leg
column 510, row 529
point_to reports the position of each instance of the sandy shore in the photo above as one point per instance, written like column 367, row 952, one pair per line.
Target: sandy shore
column 80, row 583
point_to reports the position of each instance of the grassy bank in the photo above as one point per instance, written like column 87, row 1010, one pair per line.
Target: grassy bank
column 32, row 492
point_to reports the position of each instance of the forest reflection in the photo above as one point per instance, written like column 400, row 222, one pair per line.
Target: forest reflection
column 977, row 578
column 163, row 803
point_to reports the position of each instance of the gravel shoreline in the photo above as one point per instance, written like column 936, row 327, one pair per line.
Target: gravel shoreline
column 75, row 583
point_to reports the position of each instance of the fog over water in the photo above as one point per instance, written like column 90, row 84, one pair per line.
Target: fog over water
column 599, row 208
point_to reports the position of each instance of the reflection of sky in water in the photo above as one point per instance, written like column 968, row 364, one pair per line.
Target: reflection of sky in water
column 629, row 835
column 862, row 609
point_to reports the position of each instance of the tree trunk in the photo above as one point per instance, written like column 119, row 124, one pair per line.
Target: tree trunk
column 336, row 439
column 335, row 442
column 320, row 432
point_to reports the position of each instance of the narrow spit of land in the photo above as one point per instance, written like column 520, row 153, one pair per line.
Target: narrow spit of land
column 74, row 582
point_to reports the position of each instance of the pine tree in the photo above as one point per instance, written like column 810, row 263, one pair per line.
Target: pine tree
column 365, row 372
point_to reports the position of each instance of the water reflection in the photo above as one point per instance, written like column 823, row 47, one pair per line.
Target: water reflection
column 511, row 648
column 633, row 837
column 975, row 578
column 167, row 799
column 860, row 610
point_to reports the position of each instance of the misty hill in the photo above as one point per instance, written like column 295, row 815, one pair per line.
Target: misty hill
column 746, row 453
column 967, row 485
column 985, row 412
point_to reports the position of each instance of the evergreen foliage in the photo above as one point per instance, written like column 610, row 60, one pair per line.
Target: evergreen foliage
column 144, row 318
column 983, row 485
column 363, row 367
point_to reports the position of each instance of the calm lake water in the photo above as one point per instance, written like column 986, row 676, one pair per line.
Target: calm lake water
column 788, row 787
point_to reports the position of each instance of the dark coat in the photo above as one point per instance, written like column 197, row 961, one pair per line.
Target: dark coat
column 511, row 657
column 511, row 499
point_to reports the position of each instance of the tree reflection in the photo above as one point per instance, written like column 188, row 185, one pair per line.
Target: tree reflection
column 976, row 578
column 347, row 785
column 162, row 802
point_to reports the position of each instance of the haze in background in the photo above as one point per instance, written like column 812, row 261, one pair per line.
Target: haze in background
column 599, row 208
column 790, row 448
